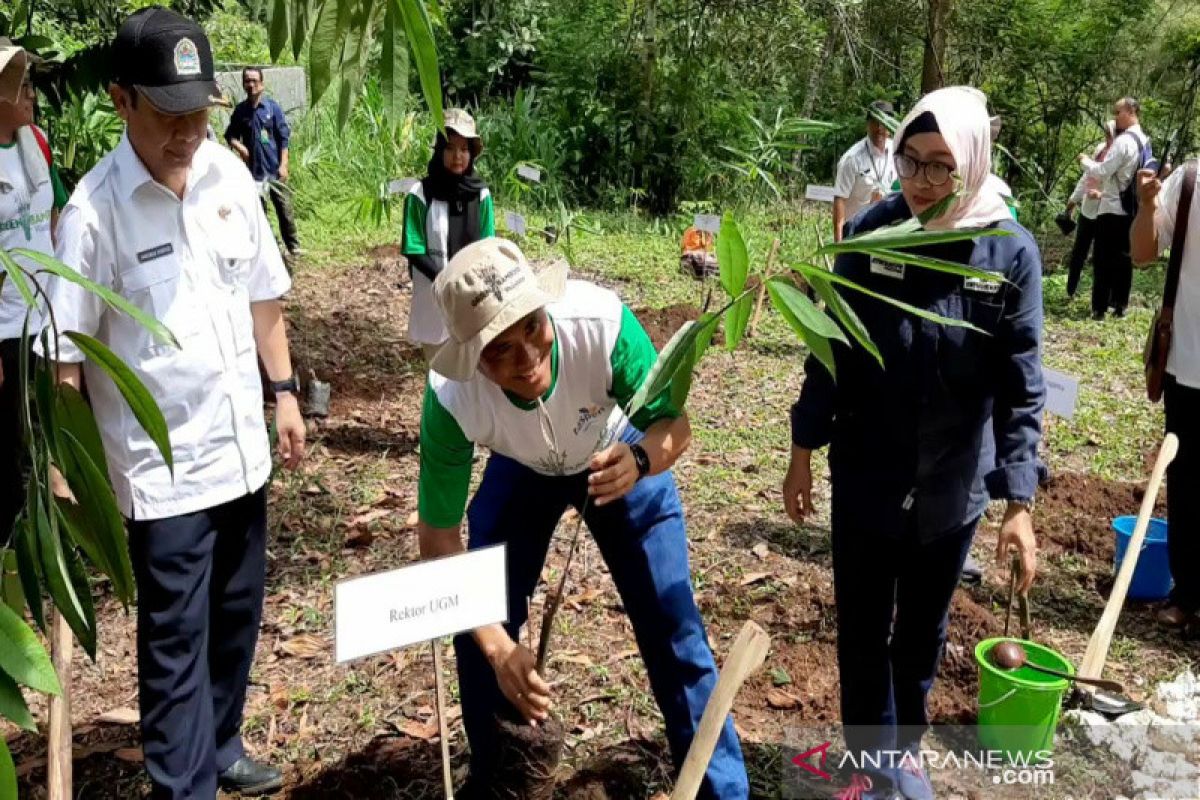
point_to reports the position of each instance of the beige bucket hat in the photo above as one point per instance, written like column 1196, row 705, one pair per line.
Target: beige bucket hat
column 462, row 123
column 14, row 61
column 486, row 288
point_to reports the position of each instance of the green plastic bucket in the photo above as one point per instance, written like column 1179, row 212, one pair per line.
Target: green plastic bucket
column 1018, row 709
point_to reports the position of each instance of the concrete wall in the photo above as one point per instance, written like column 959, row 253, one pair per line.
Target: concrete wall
column 287, row 85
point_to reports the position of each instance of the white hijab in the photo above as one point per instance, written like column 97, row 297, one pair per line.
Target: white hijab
column 962, row 119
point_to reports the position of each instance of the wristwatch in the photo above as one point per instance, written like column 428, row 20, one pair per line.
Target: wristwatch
column 289, row 385
column 641, row 459
column 1025, row 503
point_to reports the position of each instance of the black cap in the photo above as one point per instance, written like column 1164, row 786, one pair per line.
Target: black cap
column 168, row 59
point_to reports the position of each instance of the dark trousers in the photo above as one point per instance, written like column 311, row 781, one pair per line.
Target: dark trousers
column 12, row 449
column 200, row 594
column 282, row 200
column 1114, row 268
column 1085, row 233
column 893, row 599
column 644, row 543
column 1183, row 500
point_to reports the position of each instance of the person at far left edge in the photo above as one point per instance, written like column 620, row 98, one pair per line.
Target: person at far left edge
column 173, row 223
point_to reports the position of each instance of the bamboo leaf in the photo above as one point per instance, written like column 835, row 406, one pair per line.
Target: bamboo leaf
column 681, row 385
column 22, row 656
column 677, row 352
column 8, row 773
column 13, row 706
column 322, row 47
column 394, row 63
column 833, row 277
column 796, row 316
column 72, row 413
column 23, row 545
column 13, row 272
column 279, row 28
column 937, row 265
column 141, row 403
column 736, row 320
column 158, row 330
column 845, row 314
column 804, row 310
column 905, row 235
column 419, row 33
column 57, row 576
column 299, row 27
column 732, row 257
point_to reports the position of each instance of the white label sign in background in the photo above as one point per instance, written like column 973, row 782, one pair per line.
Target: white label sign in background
column 401, row 185
column 1062, row 392
column 427, row 600
column 708, row 222
column 820, row 193
column 514, row 222
column 530, row 173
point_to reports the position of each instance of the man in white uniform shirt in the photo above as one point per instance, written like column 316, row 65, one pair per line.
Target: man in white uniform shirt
column 173, row 223
column 1153, row 232
column 1113, row 269
column 865, row 172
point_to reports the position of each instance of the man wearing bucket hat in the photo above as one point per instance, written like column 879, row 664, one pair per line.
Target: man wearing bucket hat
column 30, row 196
column 173, row 223
column 444, row 212
column 537, row 369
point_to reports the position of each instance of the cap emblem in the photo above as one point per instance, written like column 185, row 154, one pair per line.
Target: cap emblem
column 187, row 58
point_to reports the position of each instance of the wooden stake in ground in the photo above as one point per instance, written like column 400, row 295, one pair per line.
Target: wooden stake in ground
column 762, row 288
column 58, row 756
column 1097, row 649
column 748, row 653
column 443, row 727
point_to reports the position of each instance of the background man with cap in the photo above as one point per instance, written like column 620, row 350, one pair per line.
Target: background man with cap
column 444, row 212
column 172, row 221
column 258, row 132
column 30, row 196
column 865, row 172
column 537, row 370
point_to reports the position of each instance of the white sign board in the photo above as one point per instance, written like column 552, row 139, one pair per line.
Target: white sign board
column 514, row 222
column 1062, row 393
column 530, row 173
column 708, row 222
column 401, row 185
column 823, row 194
column 417, row 603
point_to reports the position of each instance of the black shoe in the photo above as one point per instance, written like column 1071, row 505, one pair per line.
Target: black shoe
column 1097, row 315
column 1118, row 312
column 250, row 778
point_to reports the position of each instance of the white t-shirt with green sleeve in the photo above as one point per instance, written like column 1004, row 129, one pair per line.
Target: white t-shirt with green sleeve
column 601, row 355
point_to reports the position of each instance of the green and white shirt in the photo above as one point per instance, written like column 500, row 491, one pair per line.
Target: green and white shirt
column 426, row 230
column 601, row 355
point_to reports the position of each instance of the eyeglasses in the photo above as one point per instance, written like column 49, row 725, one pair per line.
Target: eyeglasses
column 936, row 173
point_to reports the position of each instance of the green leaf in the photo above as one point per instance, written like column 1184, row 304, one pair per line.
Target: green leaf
column 141, row 403
column 17, row 276
column 936, row 265
column 13, row 707
column 678, row 352
column 279, row 28
column 10, row 582
column 681, row 385
column 393, row 63
column 26, row 550
column 345, row 101
column 325, row 42
column 56, row 573
column 22, row 656
column 732, row 257
column 845, row 314
column 72, row 413
column 736, row 320
column 158, row 330
column 420, row 39
column 833, row 277
column 903, row 235
column 8, row 773
column 810, row 323
column 299, row 27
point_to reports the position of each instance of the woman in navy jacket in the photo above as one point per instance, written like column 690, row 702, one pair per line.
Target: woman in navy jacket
column 918, row 445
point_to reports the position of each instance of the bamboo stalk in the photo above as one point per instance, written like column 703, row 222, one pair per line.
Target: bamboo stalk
column 58, row 757
column 443, row 727
column 762, row 288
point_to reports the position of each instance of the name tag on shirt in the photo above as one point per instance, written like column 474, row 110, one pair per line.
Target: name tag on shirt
column 890, row 270
column 980, row 285
column 155, row 252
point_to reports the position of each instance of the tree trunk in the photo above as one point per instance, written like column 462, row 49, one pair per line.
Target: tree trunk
column 932, row 74
column 818, row 68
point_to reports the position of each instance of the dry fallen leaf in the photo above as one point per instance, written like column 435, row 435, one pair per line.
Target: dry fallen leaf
column 754, row 577
column 573, row 658
column 303, row 646
column 420, row 730
column 761, row 550
column 412, row 520
column 577, row 601
column 780, row 700
column 133, row 755
column 369, row 517
column 120, row 716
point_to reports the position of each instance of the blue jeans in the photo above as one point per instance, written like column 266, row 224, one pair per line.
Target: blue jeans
column 644, row 543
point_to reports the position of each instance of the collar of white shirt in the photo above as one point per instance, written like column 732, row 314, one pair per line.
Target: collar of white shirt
column 131, row 172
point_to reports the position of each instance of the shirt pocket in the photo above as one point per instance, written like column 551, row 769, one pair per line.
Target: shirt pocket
column 235, row 254
column 157, row 288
